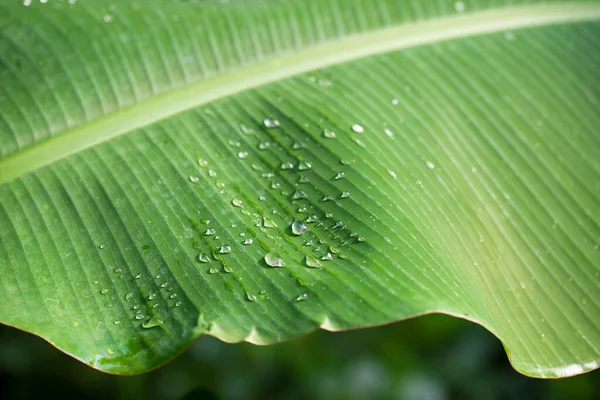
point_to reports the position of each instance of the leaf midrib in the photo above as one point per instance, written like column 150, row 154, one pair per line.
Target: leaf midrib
column 286, row 65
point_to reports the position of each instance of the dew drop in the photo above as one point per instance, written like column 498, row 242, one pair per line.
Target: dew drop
column 152, row 322
column 138, row 276
column 139, row 316
column 312, row 218
column 327, row 257
column 395, row 102
column 273, row 260
column 340, row 175
column 212, row 173
column 269, row 223
column 237, row 203
column 271, row 123
column 329, row 134
column 298, row 145
column 107, row 18
column 193, row 179
column 178, row 304
column 251, row 297
column 116, row 322
column 225, row 249
column 304, row 165
column 202, row 162
column 209, row 232
column 151, row 296
column 243, row 154
column 345, row 195
column 430, row 165
column 388, row 133
column 287, row 165
column 101, row 247
column 301, row 297
column 312, row 262
column 357, row 128
column 299, row 194
column 264, row 145
column 117, row 270
column 245, row 130
column 303, row 179
column 27, row 3
column 327, row 198
column 128, row 296
column 392, row 174
column 247, row 242
column 234, row 143
column 299, row 228
column 213, row 270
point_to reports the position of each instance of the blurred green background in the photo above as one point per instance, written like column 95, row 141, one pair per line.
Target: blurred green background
column 432, row 357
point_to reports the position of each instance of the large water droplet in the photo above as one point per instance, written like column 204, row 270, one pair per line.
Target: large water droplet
column 274, row 260
column 329, row 134
column 312, row 262
column 357, row 128
column 152, row 322
column 151, row 296
column 271, row 123
column 204, row 258
column 213, row 270
column 327, row 257
column 299, row 228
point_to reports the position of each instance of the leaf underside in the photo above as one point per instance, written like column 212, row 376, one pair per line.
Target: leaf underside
column 441, row 157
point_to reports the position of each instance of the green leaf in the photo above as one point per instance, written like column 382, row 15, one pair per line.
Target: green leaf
column 438, row 157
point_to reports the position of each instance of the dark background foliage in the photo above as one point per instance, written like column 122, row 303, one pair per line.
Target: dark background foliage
column 432, row 357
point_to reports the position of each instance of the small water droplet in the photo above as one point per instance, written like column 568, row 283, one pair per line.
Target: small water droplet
column 389, row 133
column 138, row 276
column 209, row 232
column 139, row 316
column 164, row 284
column 274, row 260
column 243, row 154
column 430, row 165
column 213, row 270
column 103, row 291
column 128, row 296
column 117, row 270
column 225, row 249
column 204, row 258
column 101, row 247
column 212, row 173
column 340, row 175
column 269, row 223
column 312, row 218
column 345, row 195
column 303, row 179
column 298, row 145
column 509, row 35
column 287, row 165
column 116, row 322
column 234, row 143
column 304, row 165
column 329, row 134
column 202, row 162
column 173, row 296
column 135, row 307
column 271, row 123
column 301, row 297
column 395, row 102
column 327, row 257
column 251, row 297
column 247, row 241
column 357, row 128
column 392, row 173
column 245, row 130
column 152, row 322
column 107, row 18
column 193, row 179
column 237, row 203
column 327, row 198
column 299, row 194
column 312, row 262
column 178, row 304
column 264, row 145
column 299, row 228
column 151, row 296
column 275, row 185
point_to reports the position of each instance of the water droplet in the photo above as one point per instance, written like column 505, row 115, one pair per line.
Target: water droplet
column 509, row 35
column 139, row 316
column 271, row 123
column 138, row 276
column 287, row 165
column 395, row 102
column 312, row 218
column 430, row 165
column 301, row 297
column 212, row 173
column 103, row 291
column 245, row 130
column 250, row 297
column 204, row 258
column 298, row 145
column 269, row 223
column 152, row 322
column 340, row 175
column 27, row 3
column 274, row 260
column 209, row 232
column 101, row 247
column 329, row 134
column 327, row 257
column 304, row 165
column 303, row 179
column 202, row 162
column 345, row 195
column 247, row 241
column 360, row 239
column 116, row 322
column 193, row 179
column 151, row 296
column 237, row 203
column 312, row 262
column 327, row 198
column 107, row 18
column 135, row 307
column 213, row 270
column 225, row 249
column 392, row 173
column 243, row 154
column 234, row 143
column 264, row 145
column 459, row 6
column 117, row 270
column 173, row 296
column 178, row 304
column 389, row 133
column 299, row 228
column 357, row 128
column 299, row 194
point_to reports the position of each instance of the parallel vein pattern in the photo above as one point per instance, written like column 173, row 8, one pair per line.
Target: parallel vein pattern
column 160, row 160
